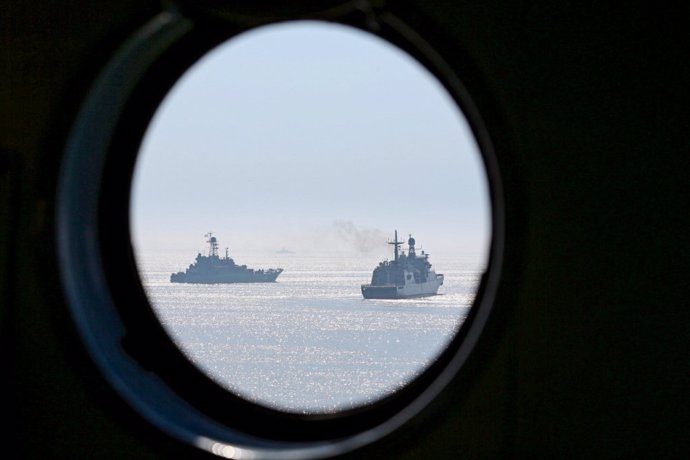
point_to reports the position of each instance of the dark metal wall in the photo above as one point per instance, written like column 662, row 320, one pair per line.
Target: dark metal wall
column 586, row 354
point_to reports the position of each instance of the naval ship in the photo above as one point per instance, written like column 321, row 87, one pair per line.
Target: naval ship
column 212, row 269
column 405, row 276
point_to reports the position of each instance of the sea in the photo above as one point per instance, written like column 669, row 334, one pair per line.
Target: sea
column 308, row 343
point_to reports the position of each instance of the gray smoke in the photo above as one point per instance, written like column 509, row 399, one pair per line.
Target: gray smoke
column 359, row 239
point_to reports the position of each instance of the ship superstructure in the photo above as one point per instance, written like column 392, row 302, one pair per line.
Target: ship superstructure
column 407, row 275
column 213, row 269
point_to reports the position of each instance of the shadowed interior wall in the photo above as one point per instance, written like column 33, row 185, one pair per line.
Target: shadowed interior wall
column 586, row 353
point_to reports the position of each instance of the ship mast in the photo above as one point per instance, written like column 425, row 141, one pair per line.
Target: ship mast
column 396, row 243
column 213, row 243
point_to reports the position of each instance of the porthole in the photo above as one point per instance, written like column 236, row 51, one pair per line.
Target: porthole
column 301, row 142
column 203, row 385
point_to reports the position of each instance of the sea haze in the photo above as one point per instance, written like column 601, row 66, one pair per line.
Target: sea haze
column 308, row 343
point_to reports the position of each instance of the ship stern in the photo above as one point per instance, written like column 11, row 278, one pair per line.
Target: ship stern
column 379, row 292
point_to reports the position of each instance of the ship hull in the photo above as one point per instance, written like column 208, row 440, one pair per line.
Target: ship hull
column 379, row 292
column 224, row 278
column 406, row 291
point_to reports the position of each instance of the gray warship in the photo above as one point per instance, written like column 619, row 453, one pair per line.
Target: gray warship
column 407, row 275
column 212, row 269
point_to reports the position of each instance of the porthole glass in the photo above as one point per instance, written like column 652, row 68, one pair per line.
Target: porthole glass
column 310, row 216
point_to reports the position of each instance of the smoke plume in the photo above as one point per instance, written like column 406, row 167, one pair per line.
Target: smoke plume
column 362, row 240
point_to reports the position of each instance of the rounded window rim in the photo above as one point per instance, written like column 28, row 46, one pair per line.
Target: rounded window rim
column 89, row 288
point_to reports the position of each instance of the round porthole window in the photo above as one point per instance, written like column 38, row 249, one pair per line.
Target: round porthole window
column 286, row 233
column 319, row 154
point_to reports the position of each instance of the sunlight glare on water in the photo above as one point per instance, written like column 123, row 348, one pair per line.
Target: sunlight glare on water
column 308, row 343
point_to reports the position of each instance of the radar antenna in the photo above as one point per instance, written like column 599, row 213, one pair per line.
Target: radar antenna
column 411, row 242
column 213, row 244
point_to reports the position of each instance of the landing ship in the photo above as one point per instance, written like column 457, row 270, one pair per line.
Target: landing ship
column 212, row 269
column 406, row 276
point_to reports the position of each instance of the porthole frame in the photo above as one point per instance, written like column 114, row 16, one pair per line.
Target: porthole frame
column 105, row 294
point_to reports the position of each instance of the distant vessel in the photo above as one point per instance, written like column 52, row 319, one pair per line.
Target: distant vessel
column 406, row 276
column 284, row 251
column 212, row 269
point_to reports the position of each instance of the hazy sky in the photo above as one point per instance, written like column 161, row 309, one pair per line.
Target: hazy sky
column 309, row 136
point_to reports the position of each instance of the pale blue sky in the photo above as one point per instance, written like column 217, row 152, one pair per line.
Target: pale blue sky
column 290, row 133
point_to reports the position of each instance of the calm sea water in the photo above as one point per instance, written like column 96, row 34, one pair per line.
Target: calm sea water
column 308, row 342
